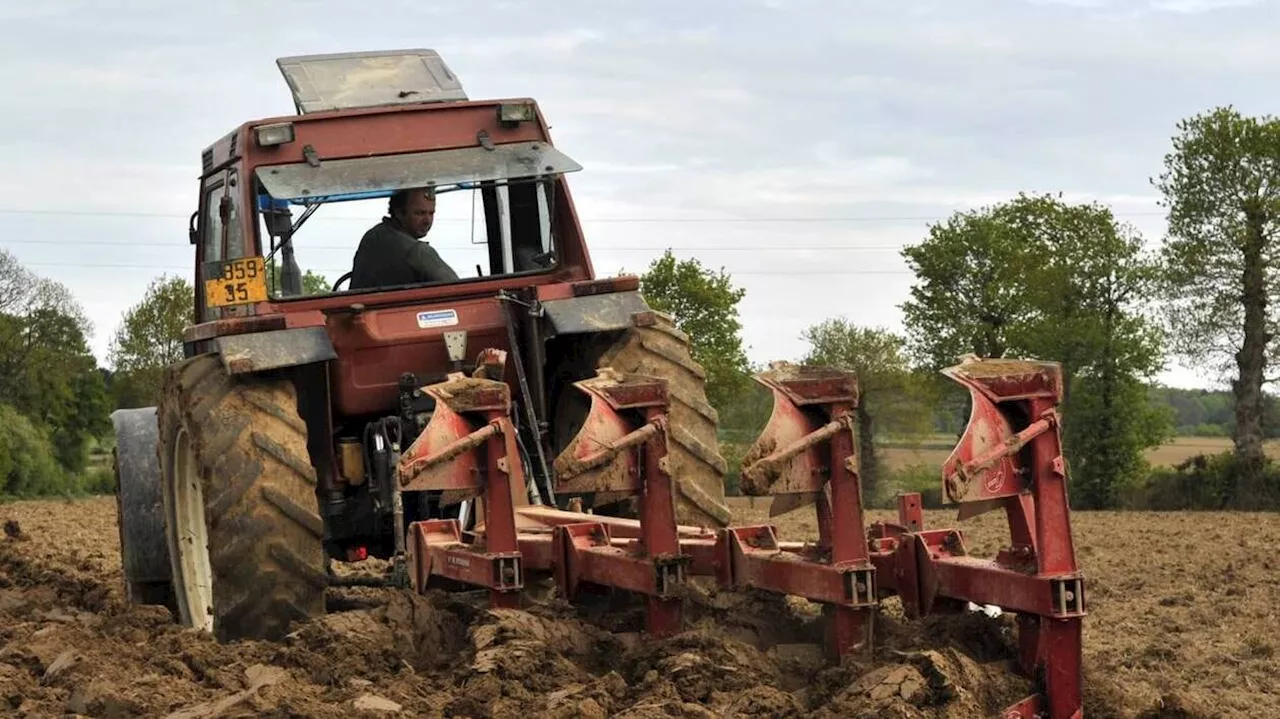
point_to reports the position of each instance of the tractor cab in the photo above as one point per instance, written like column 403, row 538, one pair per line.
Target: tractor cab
column 286, row 193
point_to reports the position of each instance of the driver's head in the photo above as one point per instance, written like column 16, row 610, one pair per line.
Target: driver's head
column 414, row 209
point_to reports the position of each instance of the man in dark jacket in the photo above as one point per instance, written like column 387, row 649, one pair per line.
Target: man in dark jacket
column 392, row 252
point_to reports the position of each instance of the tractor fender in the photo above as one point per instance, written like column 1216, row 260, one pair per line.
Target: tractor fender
column 275, row 349
column 593, row 313
column 144, row 551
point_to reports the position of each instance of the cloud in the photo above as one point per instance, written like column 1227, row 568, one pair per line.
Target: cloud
column 560, row 42
column 1193, row 7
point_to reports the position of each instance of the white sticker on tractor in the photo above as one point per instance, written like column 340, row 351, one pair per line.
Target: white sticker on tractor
column 437, row 318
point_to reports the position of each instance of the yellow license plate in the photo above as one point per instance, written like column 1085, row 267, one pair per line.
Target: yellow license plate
column 240, row 282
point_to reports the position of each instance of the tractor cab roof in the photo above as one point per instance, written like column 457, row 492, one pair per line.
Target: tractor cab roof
column 352, row 80
column 349, row 85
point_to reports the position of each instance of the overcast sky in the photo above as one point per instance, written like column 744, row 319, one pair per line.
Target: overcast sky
column 747, row 134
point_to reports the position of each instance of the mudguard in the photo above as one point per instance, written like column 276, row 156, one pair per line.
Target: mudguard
column 593, row 313
column 274, row 349
column 144, row 553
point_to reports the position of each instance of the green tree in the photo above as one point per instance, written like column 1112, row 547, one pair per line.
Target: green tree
column 313, row 283
column 27, row 466
column 47, row 372
column 61, row 386
column 705, row 306
column 148, row 339
column 1037, row 277
column 891, row 396
column 149, row 336
column 1221, row 184
column 970, row 293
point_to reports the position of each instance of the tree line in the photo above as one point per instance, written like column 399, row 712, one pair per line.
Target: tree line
column 54, row 401
column 1034, row 276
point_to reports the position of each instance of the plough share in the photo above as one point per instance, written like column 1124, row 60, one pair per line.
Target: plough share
column 1009, row 458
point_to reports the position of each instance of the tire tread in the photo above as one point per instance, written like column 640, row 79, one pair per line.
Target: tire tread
column 264, row 532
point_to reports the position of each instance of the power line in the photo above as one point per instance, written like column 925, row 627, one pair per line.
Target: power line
column 482, row 247
column 591, row 220
column 336, row 272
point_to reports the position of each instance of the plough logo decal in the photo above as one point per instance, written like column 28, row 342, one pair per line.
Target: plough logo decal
column 995, row 481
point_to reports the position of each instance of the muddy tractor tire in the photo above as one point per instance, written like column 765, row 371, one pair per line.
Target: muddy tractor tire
column 243, row 530
column 697, row 468
column 144, row 553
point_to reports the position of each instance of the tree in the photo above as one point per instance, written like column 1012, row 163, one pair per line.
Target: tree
column 890, row 395
column 149, row 336
column 148, row 339
column 970, row 295
column 27, row 466
column 705, row 307
column 1037, row 277
column 1221, row 266
column 312, row 283
column 60, row 385
column 315, row 284
column 47, row 372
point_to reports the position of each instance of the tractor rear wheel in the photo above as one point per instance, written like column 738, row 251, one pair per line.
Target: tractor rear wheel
column 240, row 502
column 697, row 468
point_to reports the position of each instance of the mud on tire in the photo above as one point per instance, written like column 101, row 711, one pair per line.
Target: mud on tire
column 697, row 468
column 256, row 490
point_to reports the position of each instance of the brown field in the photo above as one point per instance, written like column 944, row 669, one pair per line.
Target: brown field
column 1183, row 618
column 934, row 450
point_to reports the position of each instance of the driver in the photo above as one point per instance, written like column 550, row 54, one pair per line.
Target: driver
column 392, row 252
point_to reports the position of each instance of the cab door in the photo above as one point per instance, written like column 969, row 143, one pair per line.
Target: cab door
column 211, row 239
column 219, row 238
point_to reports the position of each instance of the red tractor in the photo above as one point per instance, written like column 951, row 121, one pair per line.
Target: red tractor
column 277, row 436
column 448, row 425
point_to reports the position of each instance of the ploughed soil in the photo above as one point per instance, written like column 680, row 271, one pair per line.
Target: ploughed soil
column 1182, row 624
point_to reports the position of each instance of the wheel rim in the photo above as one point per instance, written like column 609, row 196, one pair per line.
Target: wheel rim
column 195, row 588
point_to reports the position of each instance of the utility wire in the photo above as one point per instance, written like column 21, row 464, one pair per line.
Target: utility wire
column 596, row 249
column 336, row 272
column 483, row 248
column 584, row 220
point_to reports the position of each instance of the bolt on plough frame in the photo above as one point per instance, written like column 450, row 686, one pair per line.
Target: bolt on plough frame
column 1009, row 457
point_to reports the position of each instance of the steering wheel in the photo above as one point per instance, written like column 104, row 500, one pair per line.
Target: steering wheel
column 346, row 277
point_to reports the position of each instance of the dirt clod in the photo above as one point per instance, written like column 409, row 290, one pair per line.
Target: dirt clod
column 375, row 703
column 13, row 530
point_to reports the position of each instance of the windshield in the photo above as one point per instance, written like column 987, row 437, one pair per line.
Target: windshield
column 493, row 210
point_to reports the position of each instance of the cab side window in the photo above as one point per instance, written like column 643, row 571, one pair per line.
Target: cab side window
column 235, row 245
column 211, row 234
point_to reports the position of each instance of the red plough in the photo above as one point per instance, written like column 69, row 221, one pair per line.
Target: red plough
column 621, row 450
column 806, row 455
column 1009, row 458
column 468, row 448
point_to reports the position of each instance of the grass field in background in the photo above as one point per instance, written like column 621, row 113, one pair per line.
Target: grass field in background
column 934, row 451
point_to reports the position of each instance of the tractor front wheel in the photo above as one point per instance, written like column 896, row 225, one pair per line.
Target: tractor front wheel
column 240, row 504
